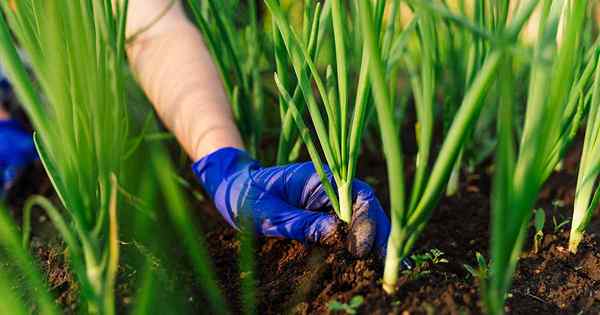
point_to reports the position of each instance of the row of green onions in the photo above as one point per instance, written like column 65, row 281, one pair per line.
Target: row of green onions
column 556, row 102
column 80, row 104
column 409, row 218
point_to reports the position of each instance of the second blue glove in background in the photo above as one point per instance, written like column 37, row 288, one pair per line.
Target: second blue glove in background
column 16, row 151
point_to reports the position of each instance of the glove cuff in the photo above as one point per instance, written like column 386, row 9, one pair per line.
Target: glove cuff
column 10, row 123
column 219, row 165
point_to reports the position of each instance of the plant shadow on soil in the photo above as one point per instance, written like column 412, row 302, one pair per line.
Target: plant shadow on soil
column 302, row 279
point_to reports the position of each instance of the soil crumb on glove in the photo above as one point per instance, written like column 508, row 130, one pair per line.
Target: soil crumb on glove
column 362, row 233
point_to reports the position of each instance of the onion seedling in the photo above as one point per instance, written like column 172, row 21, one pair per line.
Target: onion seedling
column 409, row 218
column 552, row 107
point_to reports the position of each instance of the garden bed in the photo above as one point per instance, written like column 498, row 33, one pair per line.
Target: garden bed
column 304, row 279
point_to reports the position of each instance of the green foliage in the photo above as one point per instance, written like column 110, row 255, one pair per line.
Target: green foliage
column 552, row 107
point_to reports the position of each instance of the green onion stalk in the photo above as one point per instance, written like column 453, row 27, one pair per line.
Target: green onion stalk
column 586, row 197
column 467, row 52
column 409, row 218
column 340, row 134
column 289, row 145
column 553, row 110
column 76, row 49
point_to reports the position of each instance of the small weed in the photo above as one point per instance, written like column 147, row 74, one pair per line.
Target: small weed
column 482, row 270
column 349, row 308
column 434, row 256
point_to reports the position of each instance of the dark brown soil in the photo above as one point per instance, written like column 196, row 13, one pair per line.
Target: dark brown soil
column 303, row 279
column 295, row 278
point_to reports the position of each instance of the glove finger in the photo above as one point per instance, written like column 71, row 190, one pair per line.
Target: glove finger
column 315, row 196
column 275, row 217
column 370, row 226
column 297, row 184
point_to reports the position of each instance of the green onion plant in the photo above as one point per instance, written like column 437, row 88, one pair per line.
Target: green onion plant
column 341, row 133
column 78, row 105
column 587, row 196
column 76, row 50
column 410, row 215
column 555, row 103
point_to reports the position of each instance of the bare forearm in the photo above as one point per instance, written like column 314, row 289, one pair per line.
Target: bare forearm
column 4, row 114
column 175, row 70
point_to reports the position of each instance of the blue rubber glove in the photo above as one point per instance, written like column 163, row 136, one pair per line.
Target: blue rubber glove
column 288, row 201
column 16, row 151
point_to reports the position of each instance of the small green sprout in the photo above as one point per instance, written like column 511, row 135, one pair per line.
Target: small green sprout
column 559, row 225
column 435, row 256
column 482, row 270
column 350, row 307
column 540, row 221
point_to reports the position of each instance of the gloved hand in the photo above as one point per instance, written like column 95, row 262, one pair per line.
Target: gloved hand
column 16, row 151
column 288, row 201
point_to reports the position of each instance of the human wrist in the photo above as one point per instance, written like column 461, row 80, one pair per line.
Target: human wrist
column 216, row 137
column 4, row 115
